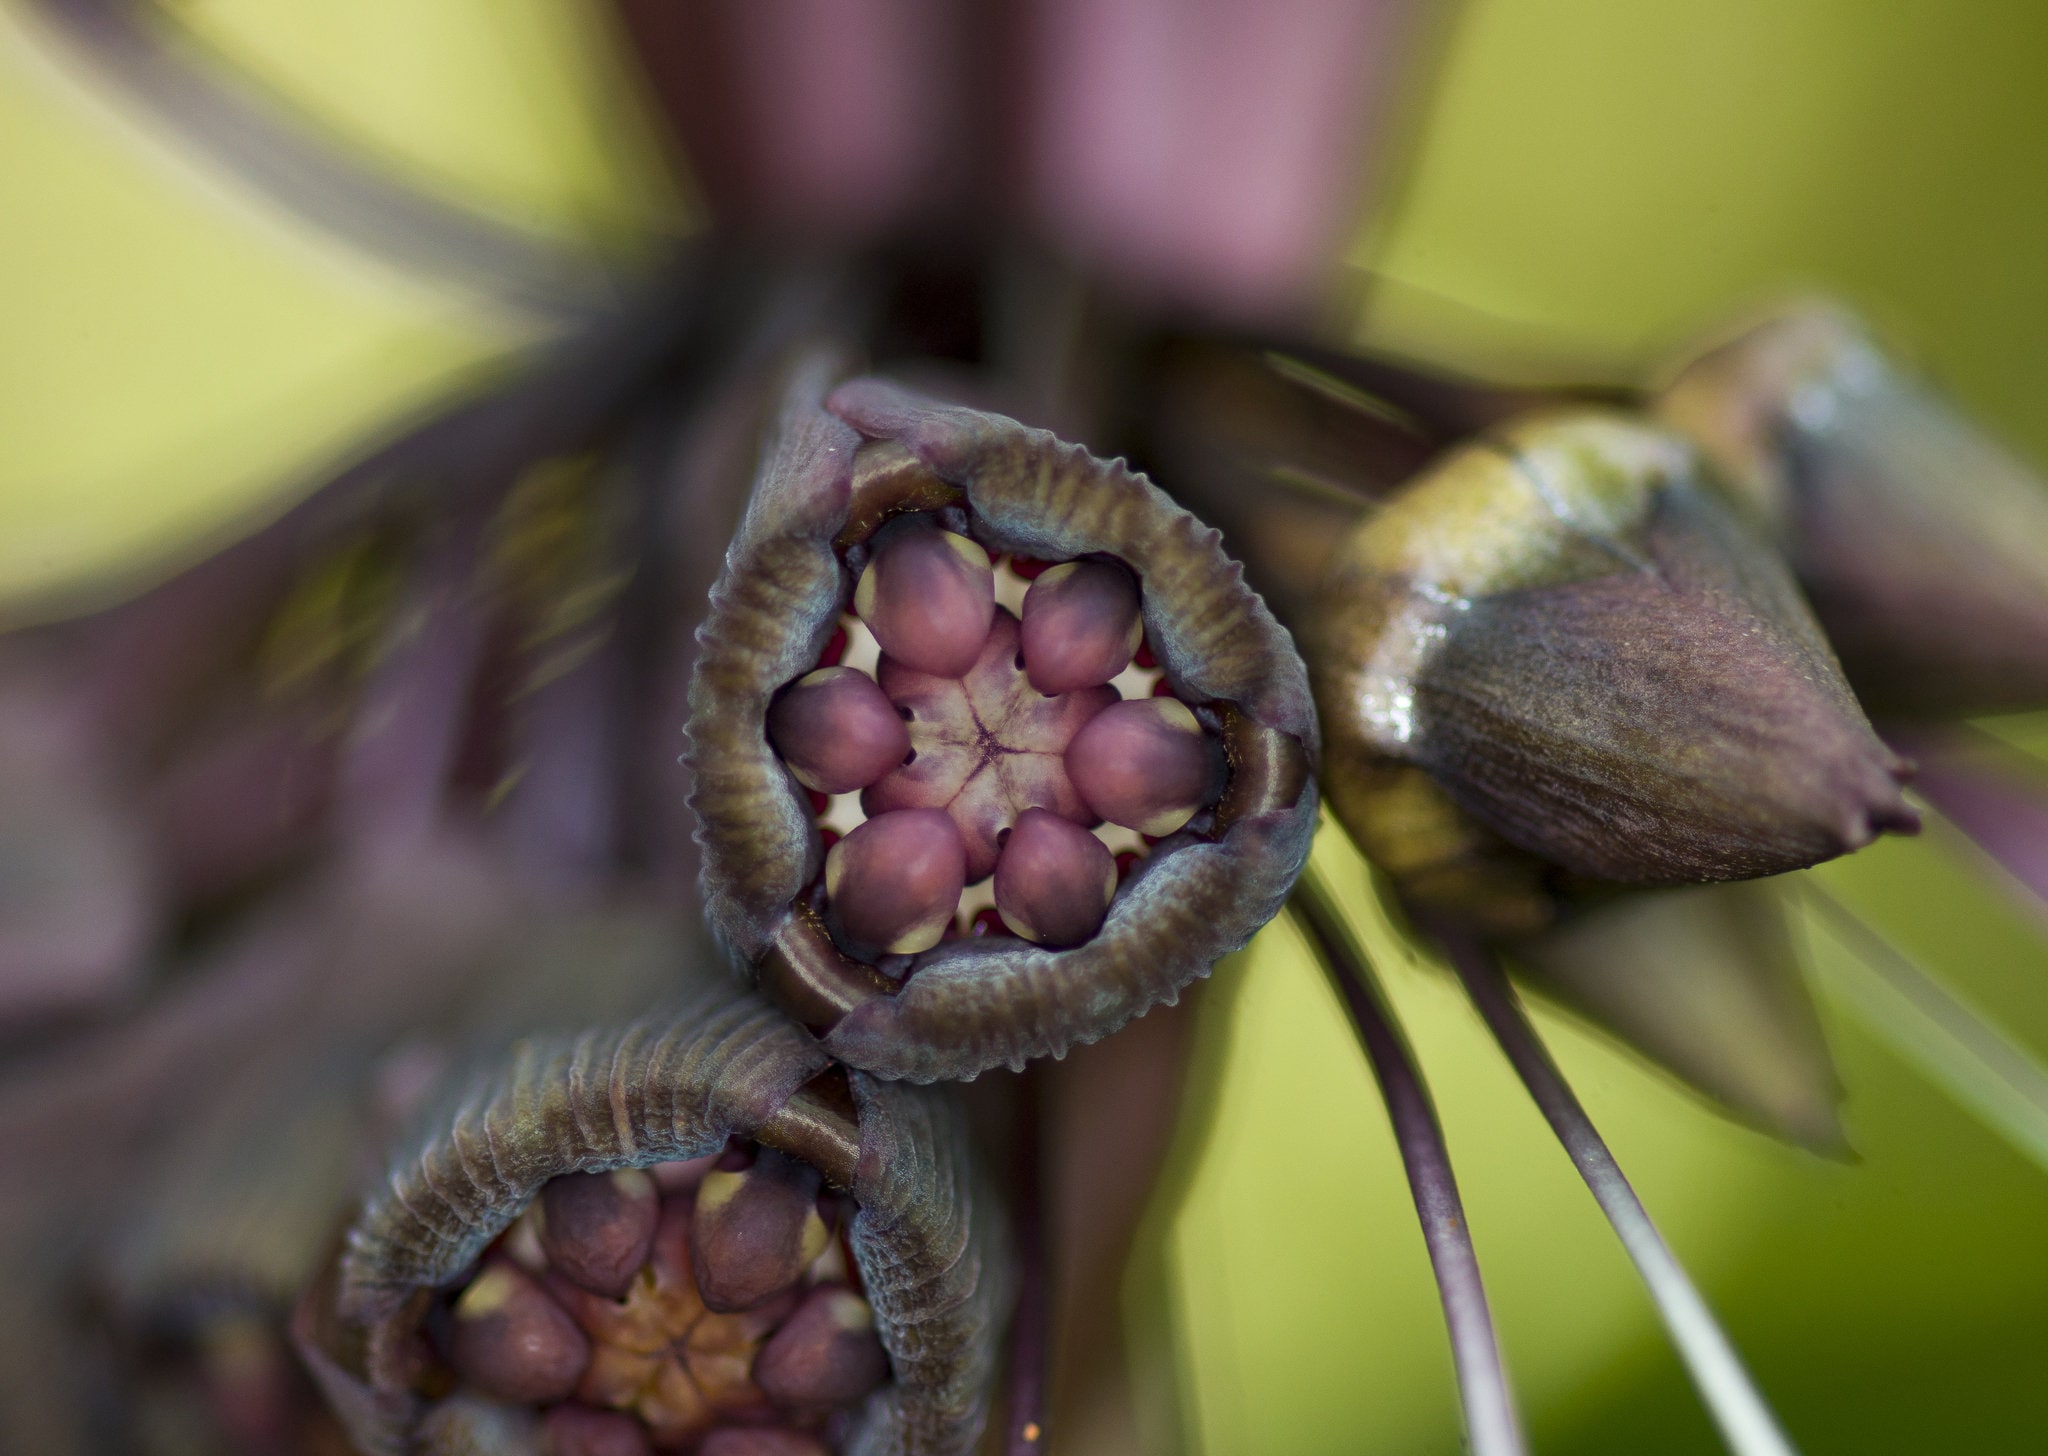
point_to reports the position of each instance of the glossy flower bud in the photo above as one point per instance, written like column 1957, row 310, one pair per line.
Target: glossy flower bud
column 1145, row 765
column 894, row 881
column 755, row 1231
column 928, row 596
column 1560, row 642
column 1081, row 625
column 825, row 1354
column 1054, row 880
column 837, row 730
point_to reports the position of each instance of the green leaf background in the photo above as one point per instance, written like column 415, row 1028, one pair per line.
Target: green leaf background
column 1588, row 181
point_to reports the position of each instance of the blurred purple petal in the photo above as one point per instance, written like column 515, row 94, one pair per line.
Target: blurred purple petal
column 1215, row 153
column 838, row 116
column 78, row 901
column 1995, row 794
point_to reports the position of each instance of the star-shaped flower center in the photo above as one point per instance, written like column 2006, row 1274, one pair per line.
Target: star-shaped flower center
column 987, row 744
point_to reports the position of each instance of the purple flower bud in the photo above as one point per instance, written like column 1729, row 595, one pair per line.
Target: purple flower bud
column 755, row 1230
column 1081, row 625
column 1054, row 880
column 825, row 1354
column 597, row 1228
column 895, row 881
column 836, row 730
column 928, row 597
column 1146, row 765
column 1559, row 642
column 512, row 1342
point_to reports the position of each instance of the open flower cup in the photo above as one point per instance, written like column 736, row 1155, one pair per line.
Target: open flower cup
column 513, row 1285
column 865, row 487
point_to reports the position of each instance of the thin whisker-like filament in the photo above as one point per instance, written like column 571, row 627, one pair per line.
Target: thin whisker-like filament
column 1952, row 1043
column 1731, row 1397
column 1491, row 1423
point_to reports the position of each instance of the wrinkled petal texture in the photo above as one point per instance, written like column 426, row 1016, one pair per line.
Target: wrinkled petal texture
column 973, row 1004
column 929, row 1235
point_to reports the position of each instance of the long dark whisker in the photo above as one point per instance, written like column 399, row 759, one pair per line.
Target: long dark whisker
column 1954, row 1045
column 1485, row 1397
column 1745, row 1420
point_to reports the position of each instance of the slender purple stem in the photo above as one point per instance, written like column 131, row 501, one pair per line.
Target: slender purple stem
column 1487, row 1400
column 1025, row 1433
column 1738, row 1408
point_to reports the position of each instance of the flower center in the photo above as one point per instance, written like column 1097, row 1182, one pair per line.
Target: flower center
column 988, row 745
column 659, row 1308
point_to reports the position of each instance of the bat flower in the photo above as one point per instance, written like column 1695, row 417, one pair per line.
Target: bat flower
column 1921, row 541
column 689, row 1232
column 1556, row 660
column 1004, row 739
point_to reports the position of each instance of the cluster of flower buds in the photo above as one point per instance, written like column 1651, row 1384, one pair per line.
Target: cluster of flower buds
column 691, row 1233
column 952, row 652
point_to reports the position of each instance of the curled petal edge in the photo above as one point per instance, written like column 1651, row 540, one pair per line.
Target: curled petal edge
column 971, row 1005
column 929, row 1236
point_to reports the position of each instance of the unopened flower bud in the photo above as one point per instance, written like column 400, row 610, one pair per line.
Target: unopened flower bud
column 928, row 596
column 1081, row 625
column 661, row 1296
column 755, row 1230
column 825, row 1354
column 597, row 1228
column 1054, row 880
column 1584, row 652
column 1144, row 764
column 836, row 730
column 1921, row 541
column 511, row 1341
column 895, row 881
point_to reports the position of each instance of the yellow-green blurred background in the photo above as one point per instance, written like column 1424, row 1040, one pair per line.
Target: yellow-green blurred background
column 1590, row 181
